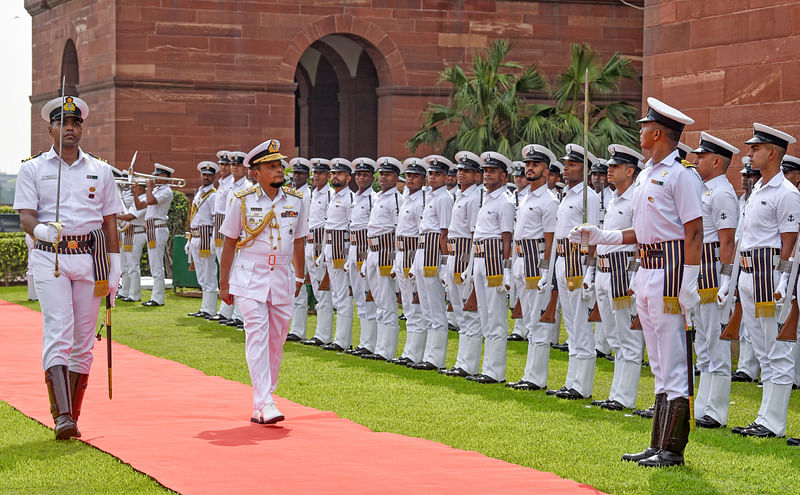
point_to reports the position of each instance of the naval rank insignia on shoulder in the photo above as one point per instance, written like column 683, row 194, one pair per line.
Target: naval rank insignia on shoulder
column 292, row 191
column 97, row 157
column 245, row 192
column 32, row 156
column 684, row 162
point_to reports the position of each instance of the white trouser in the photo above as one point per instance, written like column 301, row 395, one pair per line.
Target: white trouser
column 206, row 270
column 383, row 291
column 266, row 326
column 747, row 362
column 416, row 323
column 468, row 322
column 366, row 310
column 226, row 309
column 664, row 335
column 124, row 266
column 156, row 258
column 774, row 356
column 576, row 316
column 602, row 341
column 69, row 309
column 324, row 330
column 434, row 311
column 627, row 344
column 342, row 302
column 131, row 268
column 532, row 304
column 493, row 311
column 713, row 353
column 29, row 273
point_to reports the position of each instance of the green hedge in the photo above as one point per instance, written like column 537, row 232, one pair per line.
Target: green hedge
column 13, row 257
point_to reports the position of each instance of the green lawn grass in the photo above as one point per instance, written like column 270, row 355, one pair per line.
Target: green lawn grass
column 567, row 438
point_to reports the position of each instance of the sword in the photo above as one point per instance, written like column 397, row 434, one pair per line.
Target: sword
column 690, row 367
column 108, row 341
column 585, row 235
column 57, row 224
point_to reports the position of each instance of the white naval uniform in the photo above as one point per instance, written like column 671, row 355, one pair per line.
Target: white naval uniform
column 627, row 344
column 462, row 226
column 133, row 257
column 359, row 220
column 416, row 322
column 155, row 254
column 582, row 355
column 535, row 217
column 236, row 186
column 602, row 342
column 773, row 208
column 69, row 306
column 747, row 362
column 220, row 203
column 205, row 264
column 338, row 218
column 262, row 280
column 495, row 217
column 667, row 197
column 297, row 326
column 720, row 211
column 124, row 280
column 513, row 295
column 436, row 216
column 382, row 220
column 318, row 209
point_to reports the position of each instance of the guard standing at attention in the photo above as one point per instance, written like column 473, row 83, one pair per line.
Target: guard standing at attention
column 264, row 229
column 668, row 226
column 720, row 217
column 492, row 265
column 201, row 229
column 301, row 167
column 68, row 204
column 225, row 179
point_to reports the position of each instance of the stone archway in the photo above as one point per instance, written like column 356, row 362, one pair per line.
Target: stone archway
column 336, row 101
column 69, row 68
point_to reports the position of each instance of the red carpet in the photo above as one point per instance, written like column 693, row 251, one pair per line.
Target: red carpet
column 191, row 432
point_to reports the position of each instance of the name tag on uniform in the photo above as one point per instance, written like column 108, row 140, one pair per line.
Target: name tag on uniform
column 49, row 177
column 659, row 182
column 93, row 177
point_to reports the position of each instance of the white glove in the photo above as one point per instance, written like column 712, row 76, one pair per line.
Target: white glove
column 506, row 285
column 543, row 282
column 186, row 247
column 632, row 283
column 722, row 293
column 688, row 297
column 46, row 233
column 781, row 290
column 364, row 269
column 596, row 236
column 114, row 274
column 588, row 285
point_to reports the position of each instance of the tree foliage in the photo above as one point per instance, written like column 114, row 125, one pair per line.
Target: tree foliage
column 487, row 110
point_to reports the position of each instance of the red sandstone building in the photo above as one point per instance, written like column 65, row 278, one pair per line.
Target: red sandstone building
column 178, row 80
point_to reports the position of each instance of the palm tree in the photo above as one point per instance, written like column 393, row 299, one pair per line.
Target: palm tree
column 612, row 122
column 485, row 109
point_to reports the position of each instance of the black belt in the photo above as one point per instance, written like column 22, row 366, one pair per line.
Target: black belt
column 69, row 244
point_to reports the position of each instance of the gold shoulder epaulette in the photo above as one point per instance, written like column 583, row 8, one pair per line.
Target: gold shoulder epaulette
column 32, row 156
column 687, row 164
column 97, row 157
column 245, row 192
column 292, row 191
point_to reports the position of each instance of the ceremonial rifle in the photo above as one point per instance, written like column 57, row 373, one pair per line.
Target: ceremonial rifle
column 787, row 329
column 730, row 323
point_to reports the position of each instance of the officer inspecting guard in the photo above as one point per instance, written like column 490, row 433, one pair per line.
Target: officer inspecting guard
column 201, row 231
column 67, row 201
column 668, row 226
column 263, row 251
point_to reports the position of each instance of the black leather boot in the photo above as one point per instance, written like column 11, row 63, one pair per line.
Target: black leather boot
column 659, row 412
column 675, row 436
column 60, row 401
column 77, row 387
